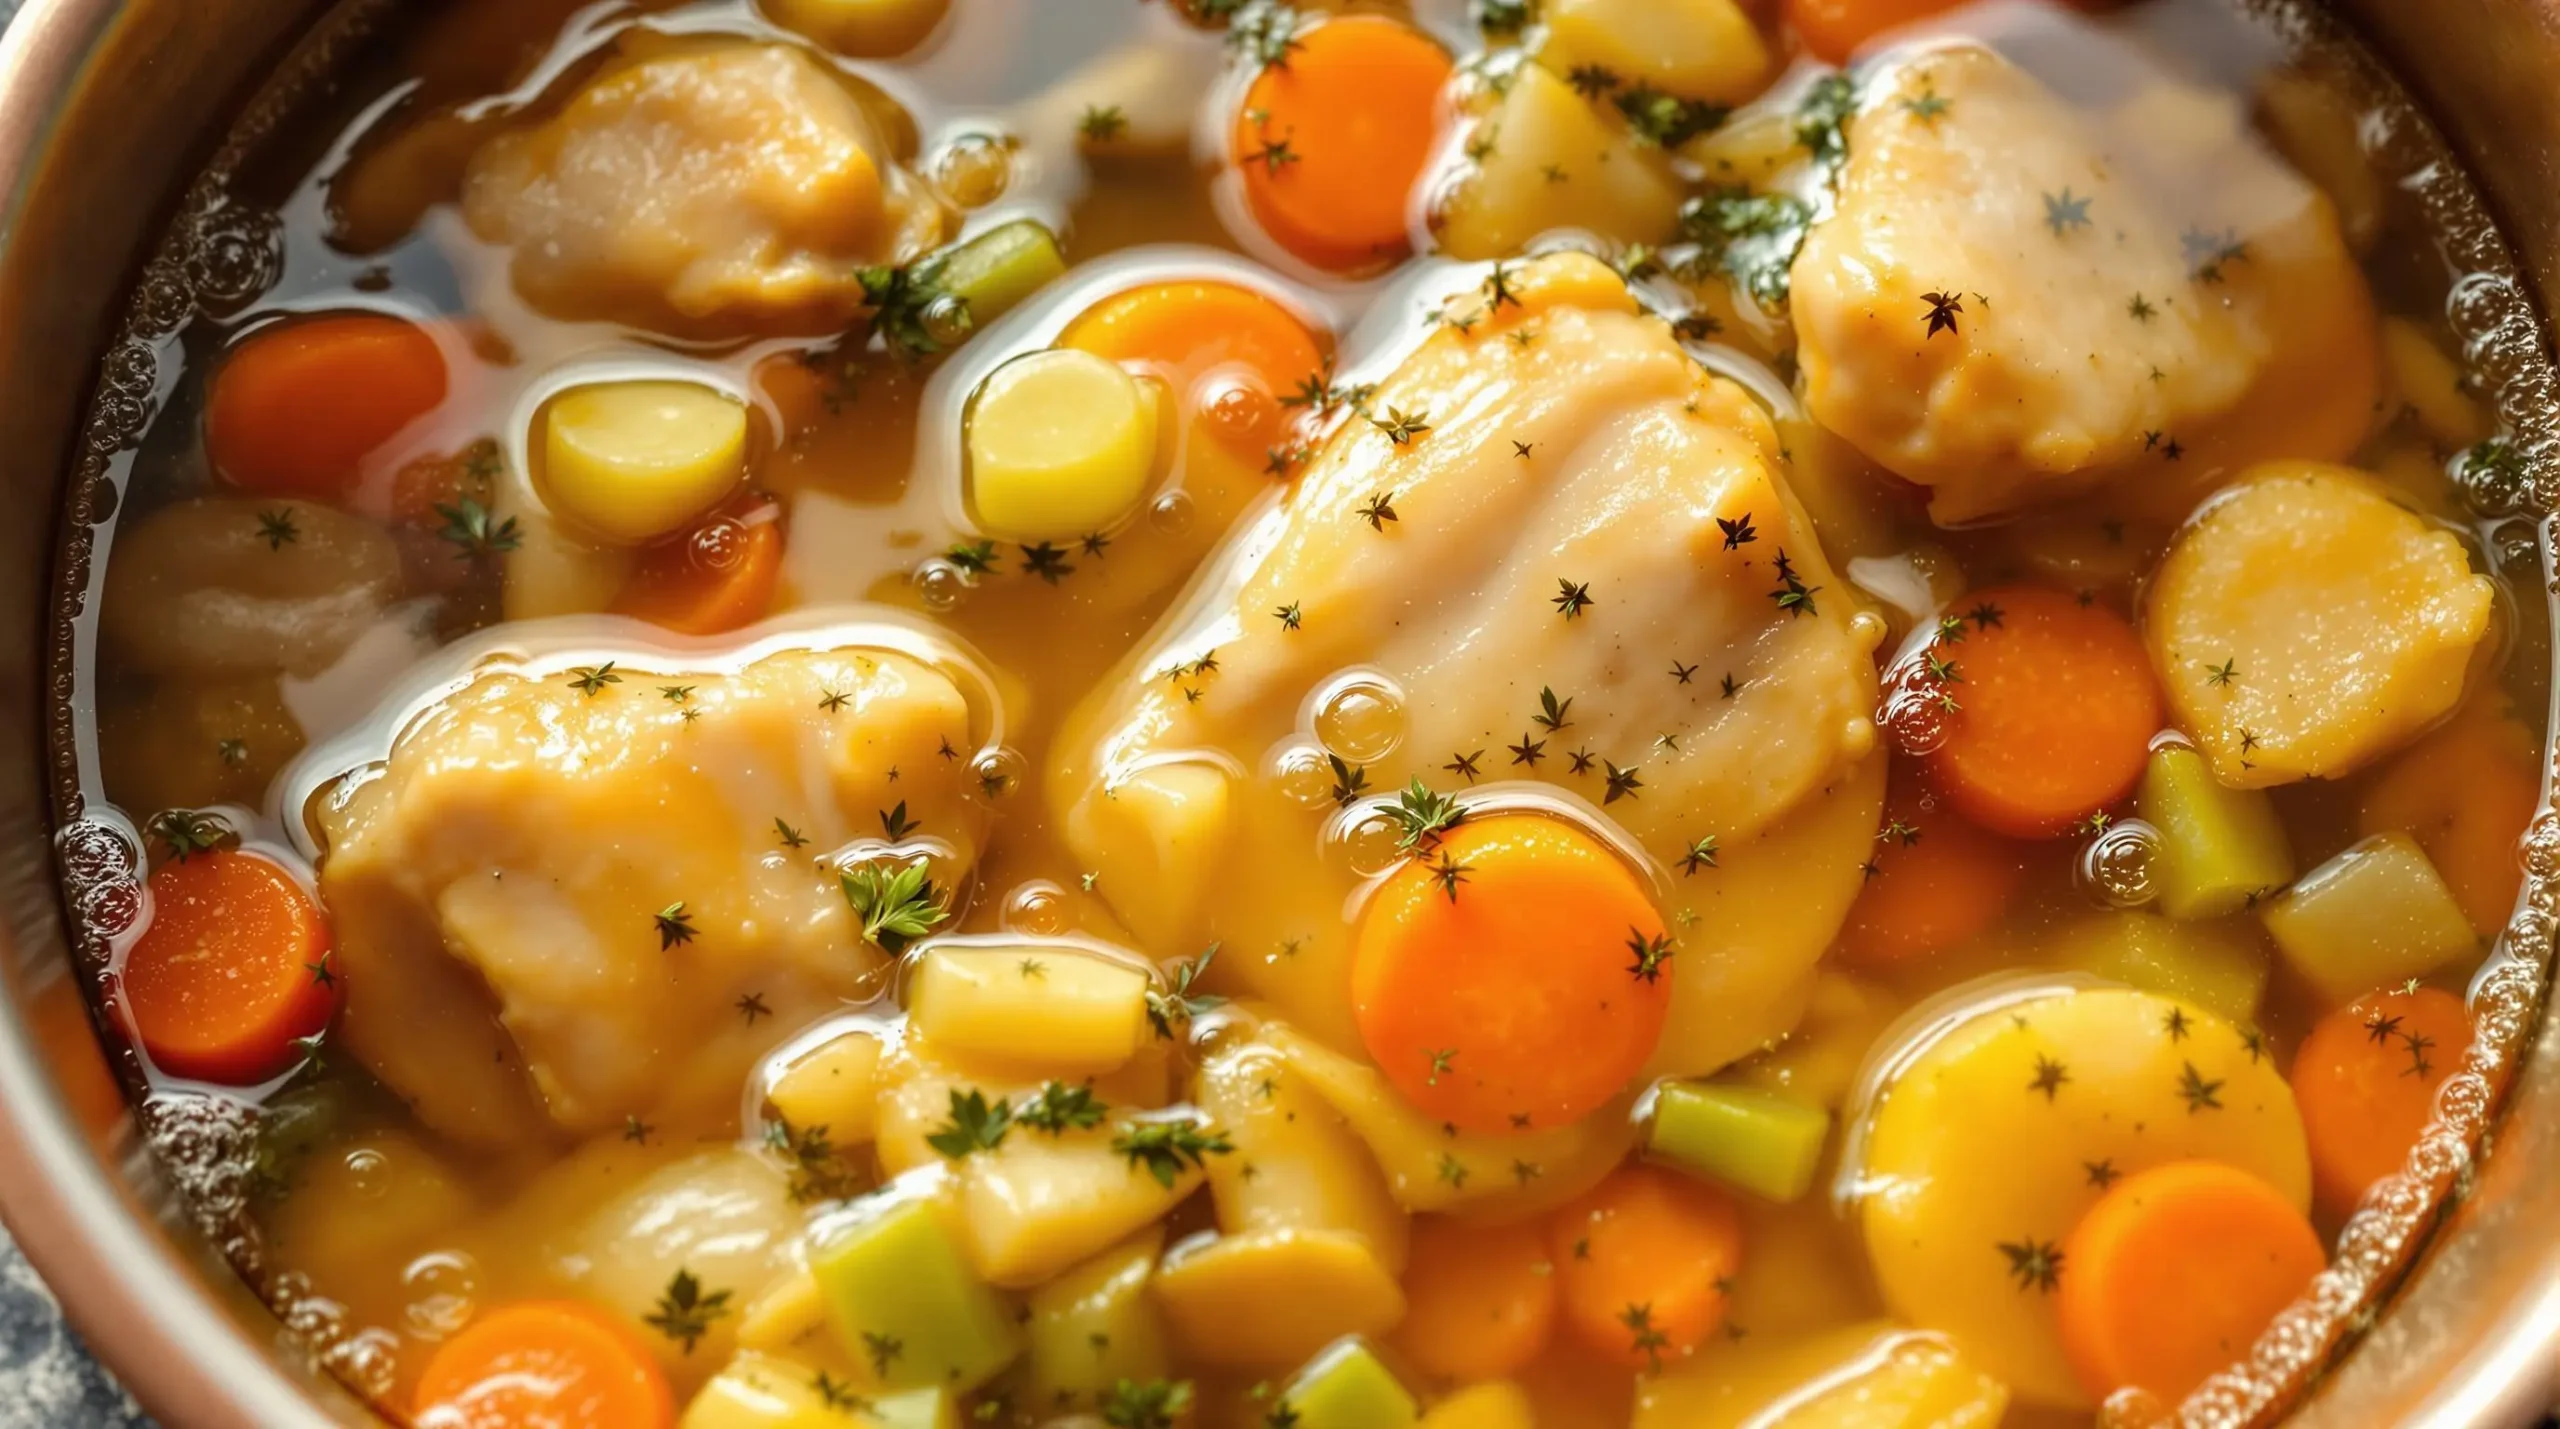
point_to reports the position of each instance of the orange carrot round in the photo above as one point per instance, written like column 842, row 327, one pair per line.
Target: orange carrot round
column 1230, row 353
column 1834, row 29
column 1514, row 976
column 550, row 1364
column 2058, row 708
column 234, row 967
column 2366, row 1081
column 715, row 578
column 1480, row 1301
column 2465, row 793
column 1331, row 139
column 1933, row 881
column 1643, row 1262
column 295, row 409
column 2173, row 1274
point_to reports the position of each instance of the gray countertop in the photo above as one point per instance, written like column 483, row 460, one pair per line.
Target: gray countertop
column 47, row 1379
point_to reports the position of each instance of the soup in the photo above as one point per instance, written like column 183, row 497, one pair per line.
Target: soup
column 1667, row 714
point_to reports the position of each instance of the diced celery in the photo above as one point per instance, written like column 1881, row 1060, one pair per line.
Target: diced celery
column 1757, row 1140
column 999, row 268
column 2219, row 847
column 1052, row 1008
column 1346, row 1386
column 905, row 1302
column 2220, row 965
column 2375, row 915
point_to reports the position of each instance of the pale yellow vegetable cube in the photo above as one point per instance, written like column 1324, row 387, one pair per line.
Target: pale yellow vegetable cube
column 1055, row 1008
column 835, row 1084
column 1164, row 830
column 1872, row 1376
column 1097, row 1324
column 1269, row 1299
column 918, row 1080
column 1546, row 159
column 1297, row 1163
column 1495, row 1404
column 2219, row 964
column 767, row 1391
column 1061, row 443
column 1691, row 49
column 2303, row 624
column 868, row 29
column 633, row 461
column 1040, row 1203
column 791, row 1312
column 2007, row 1128
column 553, row 570
column 2375, row 915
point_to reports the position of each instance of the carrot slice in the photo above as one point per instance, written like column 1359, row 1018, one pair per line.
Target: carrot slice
column 717, row 577
column 1515, row 977
column 2173, row 1274
column 1643, row 1262
column 1231, row 353
column 2366, row 1081
column 1480, row 1301
column 2465, row 793
column 1332, row 139
column 1834, row 29
column 2058, row 711
column 234, row 966
column 295, row 408
column 547, row 1364
column 1933, row 882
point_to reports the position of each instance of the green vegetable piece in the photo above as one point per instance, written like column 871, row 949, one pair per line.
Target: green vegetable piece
column 2220, row 848
column 1346, row 1386
column 1746, row 1137
column 905, row 1303
column 2375, row 916
column 2220, row 965
column 996, row 270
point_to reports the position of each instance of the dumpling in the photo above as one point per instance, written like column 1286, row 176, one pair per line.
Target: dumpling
column 712, row 190
column 1573, row 551
column 599, row 871
column 2016, row 301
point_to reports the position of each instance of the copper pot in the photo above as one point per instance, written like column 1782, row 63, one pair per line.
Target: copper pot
column 92, row 93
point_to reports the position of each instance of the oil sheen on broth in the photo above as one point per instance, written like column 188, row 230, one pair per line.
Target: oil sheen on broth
column 1539, row 712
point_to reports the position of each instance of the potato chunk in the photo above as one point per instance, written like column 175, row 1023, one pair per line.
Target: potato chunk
column 572, row 864
column 1692, row 49
column 219, row 586
column 713, row 190
column 2303, row 625
column 1544, row 158
column 2140, row 297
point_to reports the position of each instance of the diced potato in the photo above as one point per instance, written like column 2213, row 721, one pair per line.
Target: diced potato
column 1858, row 1377
column 867, row 29
column 1495, row 1404
column 1097, row 1325
column 2219, row 965
column 1547, row 160
column 187, row 745
column 2221, row 849
column 633, row 461
column 212, row 587
column 1427, row 1169
column 1297, row 1163
column 918, row 1080
column 787, row 1315
column 1349, row 1387
column 1163, row 830
column 904, row 1300
column 1269, row 1299
column 2005, row 1130
column 1053, row 1008
column 553, row 570
column 1760, row 1141
column 1693, row 49
column 2303, row 624
column 835, row 1084
column 1061, row 443
column 723, row 1216
column 1819, row 1059
column 764, row 1391
column 2432, row 385
column 1040, row 1203
column 2375, row 915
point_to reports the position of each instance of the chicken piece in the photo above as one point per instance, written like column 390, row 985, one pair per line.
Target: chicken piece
column 712, row 191
column 599, row 873
column 2017, row 301
column 1563, row 437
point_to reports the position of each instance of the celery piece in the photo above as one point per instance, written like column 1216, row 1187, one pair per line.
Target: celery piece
column 2219, row 847
column 1346, row 1386
column 905, row 1301
column 1756, row 1140
column 2220, row 965
column 2376, row 915
column 996, row 270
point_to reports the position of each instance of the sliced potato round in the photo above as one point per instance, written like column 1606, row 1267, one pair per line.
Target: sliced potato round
column 632, row 461
column 1061, row 442
column 1986, row 1150
column 2303, row 624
